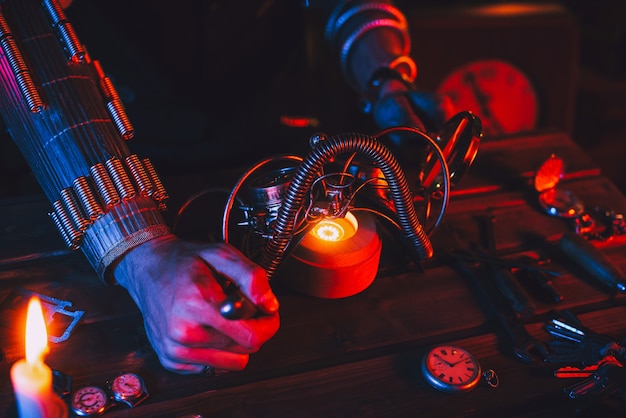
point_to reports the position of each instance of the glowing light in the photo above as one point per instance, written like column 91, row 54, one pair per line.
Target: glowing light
column 329, row 231
column 31, row 377
column 36, row 334
column 299, row 121
column 335, row 230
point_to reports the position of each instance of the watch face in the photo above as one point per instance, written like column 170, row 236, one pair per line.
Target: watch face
column 451, row 369
column 562, row 203
column 89, row 400
column 497, row 92
column 127, row 385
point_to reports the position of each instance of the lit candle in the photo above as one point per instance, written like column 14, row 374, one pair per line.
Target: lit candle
column 31, row 377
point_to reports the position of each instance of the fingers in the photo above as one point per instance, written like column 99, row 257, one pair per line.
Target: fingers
column 194, row 361
column 250, row 278
column 181, row 303
column 190, row 348
column 198, row 336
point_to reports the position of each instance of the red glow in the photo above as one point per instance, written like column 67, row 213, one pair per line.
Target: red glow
column 497, row 92
column 335, row 230
column 299, row 121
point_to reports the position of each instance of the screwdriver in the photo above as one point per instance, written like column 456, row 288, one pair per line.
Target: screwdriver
column 593, row 261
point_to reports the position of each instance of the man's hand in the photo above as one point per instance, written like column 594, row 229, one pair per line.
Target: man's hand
column 173, row 282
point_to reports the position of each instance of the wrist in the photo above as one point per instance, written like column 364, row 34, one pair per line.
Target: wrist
column 124, row 269
column 117, row 208
column 124, row 227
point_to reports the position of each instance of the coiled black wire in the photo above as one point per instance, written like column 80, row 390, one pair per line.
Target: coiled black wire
column 323, row 152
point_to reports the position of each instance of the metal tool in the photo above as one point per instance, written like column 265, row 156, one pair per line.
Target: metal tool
column 525, row 347
column 607, row 379
column 577, row 344
column 541, row 280
column 572, row 372
column 59, row 316
column 503, row 278
column 593, row 261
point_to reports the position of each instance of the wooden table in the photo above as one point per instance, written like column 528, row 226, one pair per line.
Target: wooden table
column 358, row 356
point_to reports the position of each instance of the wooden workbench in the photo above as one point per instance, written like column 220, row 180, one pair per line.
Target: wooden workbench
column 353, row 357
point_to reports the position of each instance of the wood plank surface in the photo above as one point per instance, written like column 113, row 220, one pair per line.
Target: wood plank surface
column 357, row 356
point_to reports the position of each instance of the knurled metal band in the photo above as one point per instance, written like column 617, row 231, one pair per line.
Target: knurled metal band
column 122, row 228
column 125, row 245
column 111, row 211
column 349, row 23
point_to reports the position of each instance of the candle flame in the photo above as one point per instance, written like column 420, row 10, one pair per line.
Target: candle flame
column 36, row 334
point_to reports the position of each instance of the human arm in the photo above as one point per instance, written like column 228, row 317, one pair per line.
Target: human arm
column 65, row 116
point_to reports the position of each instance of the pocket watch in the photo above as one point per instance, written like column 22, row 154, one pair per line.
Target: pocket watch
column 454, row 369
column 555, row 201
column 128, row 388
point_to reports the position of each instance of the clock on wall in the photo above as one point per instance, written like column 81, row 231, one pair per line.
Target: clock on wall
column 512, row 64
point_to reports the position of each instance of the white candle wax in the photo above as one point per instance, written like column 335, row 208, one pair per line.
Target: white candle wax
column 32, row 385
column 31, row 377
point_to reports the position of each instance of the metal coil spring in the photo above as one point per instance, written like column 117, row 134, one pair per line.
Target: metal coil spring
column 106, row 85
column 64, row 234
column 104, row 184
column 65, row 30
column 120, row 118
column 87, row 198
column 79, row 206
column 139, row 175
column 4, row 27
column 323, row 152
column 54, row 9
column 160, row 193
column 19, row 68
column 73, row 46
column 120, row 179
column 14, row 56
column 75, row 211
column 29, row 91
column 114, row 104
column 70, row 233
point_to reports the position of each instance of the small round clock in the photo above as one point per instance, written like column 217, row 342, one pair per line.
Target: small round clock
column 451, row 369
column 90, row 401
column 498, row 92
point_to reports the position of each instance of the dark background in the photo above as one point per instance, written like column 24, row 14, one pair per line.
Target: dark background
column 205, row 82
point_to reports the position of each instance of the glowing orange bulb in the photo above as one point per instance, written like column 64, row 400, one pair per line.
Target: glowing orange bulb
column 335, row 230
column 36, row 334
column 328, row 231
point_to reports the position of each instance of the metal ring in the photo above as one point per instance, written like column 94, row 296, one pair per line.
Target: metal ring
column 335, row 23
column 491, row 377
column 346, row 48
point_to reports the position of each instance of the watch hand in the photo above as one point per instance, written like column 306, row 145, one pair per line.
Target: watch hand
column 439, row 357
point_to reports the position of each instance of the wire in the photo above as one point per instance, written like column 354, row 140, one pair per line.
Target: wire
column 442, row 162
column 245, row 176
column 193, row 198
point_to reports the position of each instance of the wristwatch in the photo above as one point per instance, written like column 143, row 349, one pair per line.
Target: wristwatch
column 128, row 388
column 90, row 401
